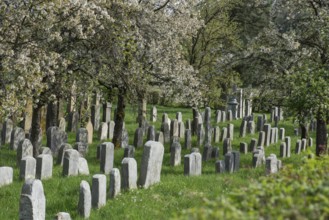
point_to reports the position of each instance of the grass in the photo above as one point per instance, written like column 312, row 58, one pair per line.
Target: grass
column 165, row 200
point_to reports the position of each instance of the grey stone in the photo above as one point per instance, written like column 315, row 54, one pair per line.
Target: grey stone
column 45, row 150
column 258, row 157
column 7, row 128
column 224, row 134
column 84, row 205
column 24, row 149
column 82, row 135
column 218, row 116
column 138, row 138
column 272, row 136
column 229, row 162
column 124, row 139
column 73, row 122
column 128, row 174
column 129, row 151
column 195, row 150
column 151, row 164
column 95, row 116
column 174, row 131
column 32, row 203
column 111, row 129
column 61, row 152
column 83, row 168
column 166, row 132
column 298, row 147
column 151, row 133
column 154, row 114
column 90, row 131
column 251, row 127
column 261, row 138
column 71, row 163
column 310, row 142
column 107, row 157
column 98, row 191
column 267, row 130
column 27, row 168
column 44, row 167
column 115, row 183
column 207, row 151
column 188, row 125
column 159, row 137
column 62, row 124
column 181, row 130
column 283, row 149
column 282, row 134
column 229, row 115
column 244, row 147
column 179, row 117
column 216, row 134
column 253, row 145
column 287, row 139
column 220, row 166
column 6, row 175
column 55, row 138
column 82, row 148
column 63, row 216
column 236, row 159
column 260, row 123
column 200, row 135
column 107, row 108
column 215, row 152
column 175, row 154
column 303, row 144
column 227, row 146
column 230, row 131
column 103, row 131
column 17, row 135
column 193, row 164
column 188, row 139
column 223, row 116
column 271, row 164
column 243, row 128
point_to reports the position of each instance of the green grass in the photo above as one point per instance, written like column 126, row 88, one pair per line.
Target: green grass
column 167, row 199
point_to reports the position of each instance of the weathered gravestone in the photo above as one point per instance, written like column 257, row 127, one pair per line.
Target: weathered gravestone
column 179, row 117
column 138, row 138
column 261, row 138
column 82, row 148
column 244, row 147
column 207, row 151
column 151, row 164
column 224, row 134
column 83, row 168
column 283, row 149
column 174, row 130
column 175, row 154
column 166, row 132
column 218, row 116
column 124, row 139
column 107, row 157
column 281, row 134
column 32, row 203
column 115, row 183
column 251, row 127
column 230, row 131
column 90, row 131
column 7, row 128
column 73, row 122
column 154, row 114
column 111, row 129
column 62, row 216
column 159, row 137
column 220, row 166
column 181, row 130
column 151, row 133
column 27, row 168
column 298, row 147
column 253, row 145
column 103, row 131
column 24, row 149
column 188, row 139
column 128, row 174
column 17, row 135
column 232, row 161
column 260, row 123
column 258, row 157
column 216, row 134
column 84, row 205
column 71, row 163
column 6, row 175
column 267, row 130
column 193, row 164
column 55, row 139
column 287, row 139
column 62, row 124
column 129, row 151
column 61, row 152
column 303, row 144
column 107, row 108
column 243, row 128
column 82, row 135
column 44, row 166
column 227, row 146
column 98, row 191
column 271, row 164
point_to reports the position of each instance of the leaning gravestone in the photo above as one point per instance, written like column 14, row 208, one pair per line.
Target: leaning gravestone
column 115, row 183
column 151, row 164
column 32, row 203
column 84, row 205
column 193, row 164
column 71, row 163
column 17, row 135
column 44, row 166
column 6, row 175
column 24, row 149
column 27, row 168
column 129, row 174
column 107, row 157
column 98, row 191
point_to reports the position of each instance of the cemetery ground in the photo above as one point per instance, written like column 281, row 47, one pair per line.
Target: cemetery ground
column 299, row 191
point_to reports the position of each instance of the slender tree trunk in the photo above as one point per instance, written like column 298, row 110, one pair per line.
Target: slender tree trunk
column 141, row 110
column 36, row 129
column 304, row 129
column 321, row 136
column 119, row 119
column 52, row 114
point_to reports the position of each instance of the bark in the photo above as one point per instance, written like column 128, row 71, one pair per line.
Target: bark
column 119, row 119
column 141, row 110
column 36, row 129
column 321, row 136
column 52, row 114
column 304, row 129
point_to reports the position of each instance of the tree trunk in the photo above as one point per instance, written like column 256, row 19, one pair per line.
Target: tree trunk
column 304, row 129
column 141, row 110
column 52, row 114
column 36, row 129
column 321, row 136
column 119, row 119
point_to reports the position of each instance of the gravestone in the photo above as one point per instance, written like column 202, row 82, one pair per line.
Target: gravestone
column 200, row 135
column 82, row 148
column 298, row 147
column 90, row 131
column 154, row 114
column 103, row 131
column 151, row 133
column 175, row 154
column 44, row 167
column 107, row 157
column 82, row 135
column 98, row 191
column 166, row 132
column 261, row 138
column 296, row 132
column 129, row 174
column 220, row 166
column 17, row 135
column 229, row 162
column 73, row 122
column 111, row 129
column 310, row 142
column 282, row 134
column 223, row 116
column 243, row 128
column 24, row 149
column 258, row 157
column 283, row 149
column 115, row 183
column 7, row 128
column 230, row 131
column 216, row 134
column 27, row 168
column 71, row 163
column 174, row 131
column 271, row 164
column 62, row 216
column 62, row 124
column 215, row 152
column 227, row 146
column 207, row 151
column 61, row 152
column 251, row 127
column 165, row 118
column 179, row 117
column 55, row 138
column 303, row 144
column 84, row 205
column 159, row 137
column 188, row 139
column 287, row 139
column 181, row 130
column 193, row 164
column 260, row 123
column 125, row 139
column 188, row 125
column 253, row 145
column 151, row 164
column 138, row 138
column 107, row 108
column 218, row 116
column 6, row 175
column 244, row 147
column 45, row 150
column 83, row 168
column 267, row 130
column 95, row 116
column 272, row 136
column 32, row 204
column 224, row 134
column 229, row 115
column 129, row 151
